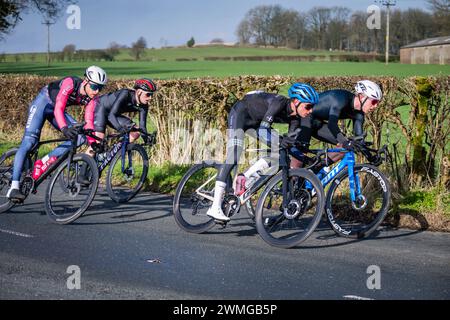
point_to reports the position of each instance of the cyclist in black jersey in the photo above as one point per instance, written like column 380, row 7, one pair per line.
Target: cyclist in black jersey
column 335, row 105
column 258, row 111
column 109, row 109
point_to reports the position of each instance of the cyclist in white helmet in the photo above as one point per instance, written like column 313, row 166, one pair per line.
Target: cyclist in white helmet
column 335, row 105
column 51, row 105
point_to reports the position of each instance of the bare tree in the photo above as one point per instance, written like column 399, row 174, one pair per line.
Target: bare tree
column 319, row 20
column 11, row 11
column 113, row 49
column 441, row 12
column 244, row 32
column 217, row 41
column 138, row 48
column 69, row 51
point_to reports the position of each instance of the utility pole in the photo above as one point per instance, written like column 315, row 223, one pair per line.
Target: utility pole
column 388, row 4
column 48, row 23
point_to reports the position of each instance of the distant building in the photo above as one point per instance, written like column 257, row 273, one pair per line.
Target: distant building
column 428, row 51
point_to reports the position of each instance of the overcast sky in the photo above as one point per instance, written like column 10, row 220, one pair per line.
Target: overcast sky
column 170, row 22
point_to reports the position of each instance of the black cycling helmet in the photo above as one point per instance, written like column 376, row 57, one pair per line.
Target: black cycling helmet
column 145, row 84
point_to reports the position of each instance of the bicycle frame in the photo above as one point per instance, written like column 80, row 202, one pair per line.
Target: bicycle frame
column 119, row 146
column 284, row 165
column 49, row 171
column 348, row 162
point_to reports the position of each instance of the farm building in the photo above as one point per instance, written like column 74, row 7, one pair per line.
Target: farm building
column 428, row 51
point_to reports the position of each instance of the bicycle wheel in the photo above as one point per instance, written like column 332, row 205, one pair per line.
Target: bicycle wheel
column 124, row 185
column 287, row 228
column 65, row 204
column 361, row 219
column 193, row 198
column 6, row 172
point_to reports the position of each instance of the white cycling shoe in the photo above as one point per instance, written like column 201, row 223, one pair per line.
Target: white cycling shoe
column 217, row 214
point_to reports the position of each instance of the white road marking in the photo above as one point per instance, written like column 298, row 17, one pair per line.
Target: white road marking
column 18, row 234
column 356, row 298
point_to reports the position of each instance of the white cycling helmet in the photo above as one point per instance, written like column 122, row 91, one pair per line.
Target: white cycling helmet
column 369, row 89
column 96, row 75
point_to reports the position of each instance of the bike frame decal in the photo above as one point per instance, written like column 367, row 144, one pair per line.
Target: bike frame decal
column 110, row 155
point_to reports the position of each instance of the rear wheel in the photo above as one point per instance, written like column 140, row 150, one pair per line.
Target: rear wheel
column 193, row 198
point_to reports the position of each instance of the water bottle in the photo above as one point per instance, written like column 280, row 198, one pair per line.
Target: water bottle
column 48, row 163
column 240, row 185
column 254, row 172
column 37, row 170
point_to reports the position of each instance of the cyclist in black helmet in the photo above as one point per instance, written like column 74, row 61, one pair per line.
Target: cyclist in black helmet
column 109, row 109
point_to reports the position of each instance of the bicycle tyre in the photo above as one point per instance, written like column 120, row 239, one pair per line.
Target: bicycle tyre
column 54, row 182
column 5, row 179
column 120, row 196
column 366, row 229
column 290, row 241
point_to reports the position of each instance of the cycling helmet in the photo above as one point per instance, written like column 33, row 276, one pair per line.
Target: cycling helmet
column 304, row 93
column 369, row 89
column 145, row 84
column 96, row 75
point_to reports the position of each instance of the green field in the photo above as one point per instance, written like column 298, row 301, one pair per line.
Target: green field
column 163, row 64
column 222, row 69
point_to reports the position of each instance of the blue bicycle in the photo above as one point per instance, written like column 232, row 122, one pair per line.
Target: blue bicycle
column 358, row 195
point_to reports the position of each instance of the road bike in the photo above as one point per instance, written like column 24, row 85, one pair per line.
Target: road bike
column 62, row 207
column 195, row 193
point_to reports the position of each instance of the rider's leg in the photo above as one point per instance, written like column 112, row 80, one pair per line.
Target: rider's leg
column 324, row 134
column 234, row 151
column 35, row 122
column 127, row 123
column 235, row 146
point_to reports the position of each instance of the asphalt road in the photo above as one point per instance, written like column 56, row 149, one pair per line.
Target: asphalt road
column 137, row 251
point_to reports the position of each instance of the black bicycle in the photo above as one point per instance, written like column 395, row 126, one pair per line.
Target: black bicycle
column 64, row 202
column 129, row 163
column 302, row 211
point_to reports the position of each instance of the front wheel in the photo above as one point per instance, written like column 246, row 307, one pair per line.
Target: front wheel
column 360, row 218
column 64, row 203
column 126, row 176
column 288, row 227
column 6, row 172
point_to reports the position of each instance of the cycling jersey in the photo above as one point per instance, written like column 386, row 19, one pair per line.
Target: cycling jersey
column 64, row 93
column 50, row 106
column 108, row 109
column 268, row 108
column 257, row 110
column 333, row 106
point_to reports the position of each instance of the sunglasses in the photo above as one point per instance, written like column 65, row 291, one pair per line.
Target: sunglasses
column 95, row 87
column 148, row 94
column 374, row 102
column 309, row 107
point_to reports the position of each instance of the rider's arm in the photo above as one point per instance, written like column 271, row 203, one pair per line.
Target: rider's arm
column 143, row 113
column 115, row 110
column 89, row 116
column 358, row 125
column 67, row 87
column 265, row 132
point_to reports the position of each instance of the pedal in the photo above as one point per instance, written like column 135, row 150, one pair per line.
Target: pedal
column 222, row 224
column 17, row 201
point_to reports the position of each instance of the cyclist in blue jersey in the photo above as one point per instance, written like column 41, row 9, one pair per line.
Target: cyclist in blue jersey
column 51, row 105
column 335, row 105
